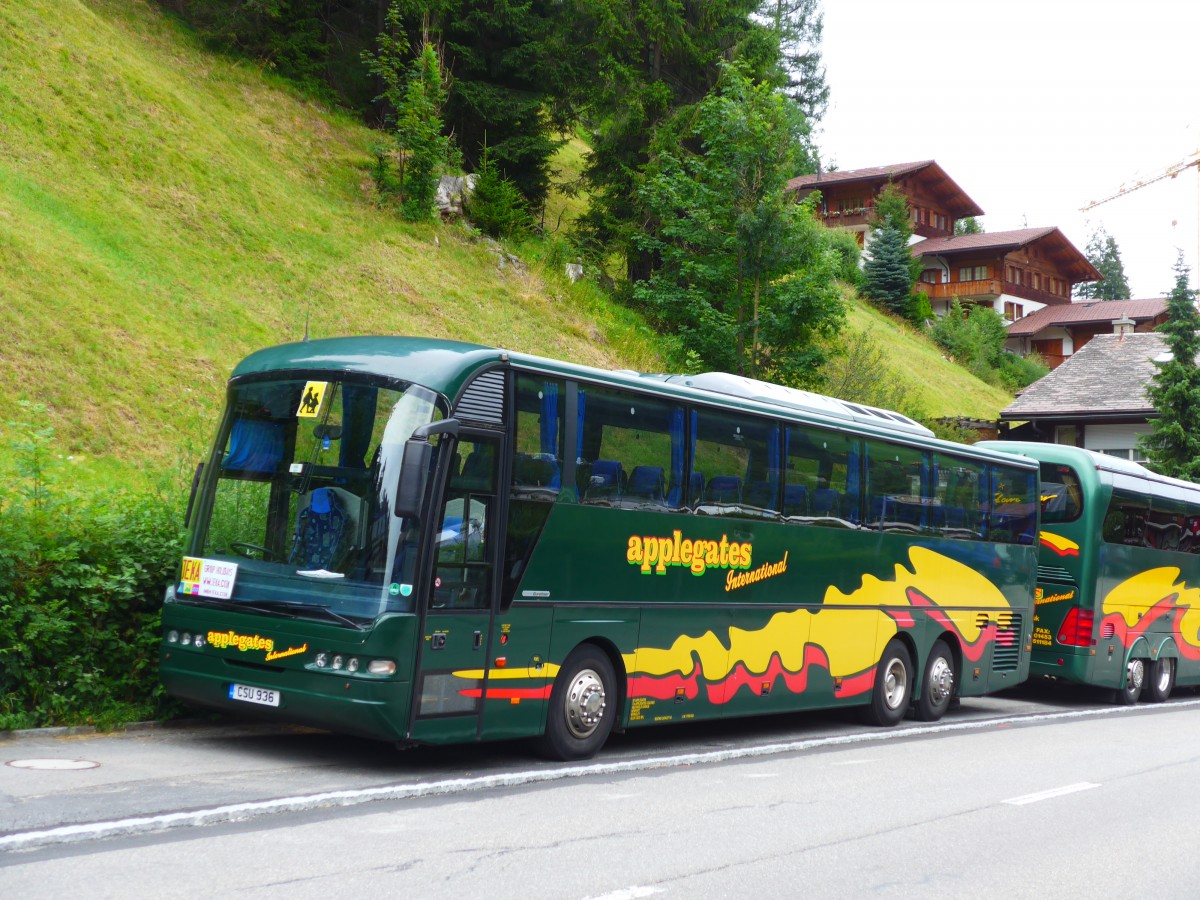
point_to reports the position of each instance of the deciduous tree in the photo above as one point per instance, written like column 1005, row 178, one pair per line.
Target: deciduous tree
column 747, row 277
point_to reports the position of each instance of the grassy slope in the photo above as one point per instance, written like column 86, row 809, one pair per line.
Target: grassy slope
column 163, row 212
column 940, row 388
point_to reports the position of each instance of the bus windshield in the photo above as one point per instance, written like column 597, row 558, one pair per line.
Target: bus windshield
column 1062, row 495
column 295, row 513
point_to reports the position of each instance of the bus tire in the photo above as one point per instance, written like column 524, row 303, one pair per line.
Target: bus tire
column 1135, row 678
column 582, row 706
column 1161, row 679
column 937, row 685
column 892, row 692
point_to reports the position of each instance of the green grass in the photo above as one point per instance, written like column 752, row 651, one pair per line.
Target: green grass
column 165, row 211
column 939, row 386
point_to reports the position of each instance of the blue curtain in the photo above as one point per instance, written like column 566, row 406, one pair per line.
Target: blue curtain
column 254, row 446
column 678, row 453
column 358, row 422
column 581, row 403
column 853, row 482
column 549, row 442
column 773, row 461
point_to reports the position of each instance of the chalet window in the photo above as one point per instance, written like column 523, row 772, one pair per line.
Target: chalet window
column 931, row 276
column 1012, row 311
column 980, row 273
column 964, row 274
column 1037, row 280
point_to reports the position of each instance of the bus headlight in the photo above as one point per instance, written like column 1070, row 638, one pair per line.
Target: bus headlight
column 172, row 636
column 321, row 661
column 382, row 667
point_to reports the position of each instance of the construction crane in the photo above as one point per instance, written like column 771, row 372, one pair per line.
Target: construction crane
column 1170, row 172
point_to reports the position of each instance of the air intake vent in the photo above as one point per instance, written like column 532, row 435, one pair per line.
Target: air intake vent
column 483, row 400
column 1107, row 630
column 1054, row 573
column 1006, row 650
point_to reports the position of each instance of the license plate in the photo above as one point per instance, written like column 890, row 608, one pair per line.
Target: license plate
column 248, row 694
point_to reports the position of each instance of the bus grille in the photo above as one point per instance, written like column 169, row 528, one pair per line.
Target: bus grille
column 1006, row 651
column 1054, row 573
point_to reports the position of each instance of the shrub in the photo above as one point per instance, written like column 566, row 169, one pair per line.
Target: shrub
column 496, row 206
column 81, row 587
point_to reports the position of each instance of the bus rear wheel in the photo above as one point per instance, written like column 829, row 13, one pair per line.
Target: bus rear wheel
column 1161, row 681
column 891, row 694
column 937, row 687
column 582, row 706
column 1135, row 677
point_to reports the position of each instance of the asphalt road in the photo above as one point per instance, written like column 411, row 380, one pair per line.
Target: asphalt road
column 1028, row 794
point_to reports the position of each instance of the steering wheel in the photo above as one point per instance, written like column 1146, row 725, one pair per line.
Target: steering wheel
column 245, row 548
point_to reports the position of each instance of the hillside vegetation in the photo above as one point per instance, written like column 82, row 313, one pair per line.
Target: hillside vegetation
column 163, row 212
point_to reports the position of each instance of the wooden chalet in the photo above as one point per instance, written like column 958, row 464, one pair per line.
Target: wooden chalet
column 1057, row 332
column 848, row 198
column 1014, row 272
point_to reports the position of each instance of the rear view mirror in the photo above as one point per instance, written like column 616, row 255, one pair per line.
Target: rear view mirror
column 414, row 466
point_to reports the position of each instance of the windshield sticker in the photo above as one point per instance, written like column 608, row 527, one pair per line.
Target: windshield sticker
column 207, row 577
column 310, row 400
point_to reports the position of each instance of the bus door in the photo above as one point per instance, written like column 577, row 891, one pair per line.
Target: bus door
column 458, row 609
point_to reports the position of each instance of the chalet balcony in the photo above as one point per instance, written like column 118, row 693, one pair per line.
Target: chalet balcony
column 1028, row 293
column 983, row 289
column 847, row 219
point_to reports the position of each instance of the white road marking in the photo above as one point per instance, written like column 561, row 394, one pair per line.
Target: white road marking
column 629, row 893
column 234, row 812
column 1053, row 792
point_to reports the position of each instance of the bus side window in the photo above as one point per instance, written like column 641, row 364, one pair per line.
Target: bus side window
column 739, row 453
column 820, row 477
column 540, row 435
column 630, row 449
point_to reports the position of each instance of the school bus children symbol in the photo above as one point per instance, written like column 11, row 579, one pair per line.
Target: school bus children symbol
column 310, row 401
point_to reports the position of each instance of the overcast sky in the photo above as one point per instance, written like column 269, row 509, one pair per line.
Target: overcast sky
column 1035, row 108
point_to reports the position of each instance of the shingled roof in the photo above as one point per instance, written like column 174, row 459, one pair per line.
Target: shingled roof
column 1107, row 378
column 1080, row 312
column 954, row 197
column 1056, row 245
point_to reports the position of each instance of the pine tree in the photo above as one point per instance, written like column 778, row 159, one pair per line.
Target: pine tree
column 1173, row 444
column 887, row 274
column 1103, row 253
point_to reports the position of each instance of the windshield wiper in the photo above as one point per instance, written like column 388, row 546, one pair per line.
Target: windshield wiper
column 298, row 609
column 286, row 606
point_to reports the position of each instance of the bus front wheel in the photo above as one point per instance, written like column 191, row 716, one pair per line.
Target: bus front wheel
column 1161, row 680
column 893, row 684
column 582, row 706
column 937, row 687
column 1135, row 677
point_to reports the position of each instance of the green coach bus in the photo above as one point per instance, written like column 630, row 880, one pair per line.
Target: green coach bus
column 430, row 541
column 1118, row 591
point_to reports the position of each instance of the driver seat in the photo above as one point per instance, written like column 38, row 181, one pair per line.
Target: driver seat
column 320, row 531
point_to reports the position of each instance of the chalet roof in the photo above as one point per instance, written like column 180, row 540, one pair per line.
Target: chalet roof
column 956, row 201
column 1082, row 312
column 1107, row 378
column 1061, row 251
